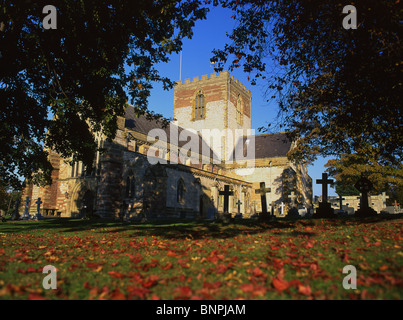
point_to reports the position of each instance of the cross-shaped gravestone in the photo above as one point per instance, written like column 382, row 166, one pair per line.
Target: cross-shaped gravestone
column 384, row 197
column 38, row 208
column 238, row 203
column 26, row 210
column 282, row 208
column 396, row 204
column 364, row 186
column 324, row 182
column 226, row 193
column 340, row 198
column 292, row 196
column 262, row 191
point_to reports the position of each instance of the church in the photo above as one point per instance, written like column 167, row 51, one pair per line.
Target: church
column 204, row 163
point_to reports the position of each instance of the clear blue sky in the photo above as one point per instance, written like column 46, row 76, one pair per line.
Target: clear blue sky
column 210, row 34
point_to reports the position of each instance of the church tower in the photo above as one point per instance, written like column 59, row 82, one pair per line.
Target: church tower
column 217, row 103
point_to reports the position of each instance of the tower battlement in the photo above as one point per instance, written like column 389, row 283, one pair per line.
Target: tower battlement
column 205, row 79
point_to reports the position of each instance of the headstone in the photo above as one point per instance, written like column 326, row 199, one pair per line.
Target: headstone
column 384, row 197
column 292, row 196
column 340, row 198
column 226, row 193
column 282, row 209
column 16, row 215
column 38, row 215
column 364, row 186
column 396, row 206
column 239, row 214
column 26, row 215
column 325, row 209
column 262, row 191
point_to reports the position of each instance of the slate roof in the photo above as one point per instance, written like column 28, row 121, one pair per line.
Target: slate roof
column 266, row 145
column 143, row 125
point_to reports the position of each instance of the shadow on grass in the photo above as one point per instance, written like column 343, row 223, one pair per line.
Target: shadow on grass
column 180, row 228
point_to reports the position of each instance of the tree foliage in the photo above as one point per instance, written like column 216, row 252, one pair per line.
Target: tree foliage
column 349, row 168
column 337, row 89
column 69, row 82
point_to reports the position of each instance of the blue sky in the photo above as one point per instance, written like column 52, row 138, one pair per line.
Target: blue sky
column 210, row 34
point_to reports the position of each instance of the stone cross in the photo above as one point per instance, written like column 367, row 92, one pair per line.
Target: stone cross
column 38, row 207
column 26, row 210
column 383, row 198
column 292, row 196
column 324, row 182
column 282, row 208
column 238, row 203
column 396, row 204
column 262, row 191
column 341, row 201
column 239, row 206
column 226, row 193
column 363, row 185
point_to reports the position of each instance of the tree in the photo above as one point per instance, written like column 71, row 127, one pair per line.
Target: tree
column 59, row 86
column 349, row 168
column 337, row 89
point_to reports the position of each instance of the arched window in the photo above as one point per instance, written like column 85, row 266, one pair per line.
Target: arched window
column 180, row 191
column 239, row 110
column 130, row 184
column 199, row 106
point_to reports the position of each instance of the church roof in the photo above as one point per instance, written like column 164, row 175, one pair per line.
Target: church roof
column 143, row 125
column 266, row 145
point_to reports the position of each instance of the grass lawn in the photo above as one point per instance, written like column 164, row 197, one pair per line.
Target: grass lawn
column 182, row 259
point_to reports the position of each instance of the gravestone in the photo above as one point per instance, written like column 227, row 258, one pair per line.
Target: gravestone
column 262, row 191
column 38, row 215
column 396, row 206
column 341, row 211
column 384, row 197
column 364, row 186
column 293, row 211
column 282, row 209
column 226, row 217
column 325, row 209
column 239, row 214
column 26, row 215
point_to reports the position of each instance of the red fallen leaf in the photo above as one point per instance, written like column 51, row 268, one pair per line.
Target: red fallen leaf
column 259, row 291
column 184, row 291
column 305, row 290
column 221, row 268
column 137, row 292
column 167, row 266
column 257, row 272
column 383, row 267
column 117, row 295
column 247, row 287
column 35, row 296
column 172, row 254
column 117, row 275
column 280, row 284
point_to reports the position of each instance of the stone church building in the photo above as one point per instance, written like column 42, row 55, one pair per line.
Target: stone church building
column 183, row 169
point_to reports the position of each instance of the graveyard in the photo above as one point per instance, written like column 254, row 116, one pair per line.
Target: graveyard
column 205, row 259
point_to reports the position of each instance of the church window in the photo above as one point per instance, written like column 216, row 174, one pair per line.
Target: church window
column 239, row 110
column 130, row 185
column 180, row 191
column 199, row 111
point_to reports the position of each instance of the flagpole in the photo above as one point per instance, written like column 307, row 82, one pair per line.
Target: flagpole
column 180, row 67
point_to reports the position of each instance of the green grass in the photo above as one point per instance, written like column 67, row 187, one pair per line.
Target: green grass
column 181, row 259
